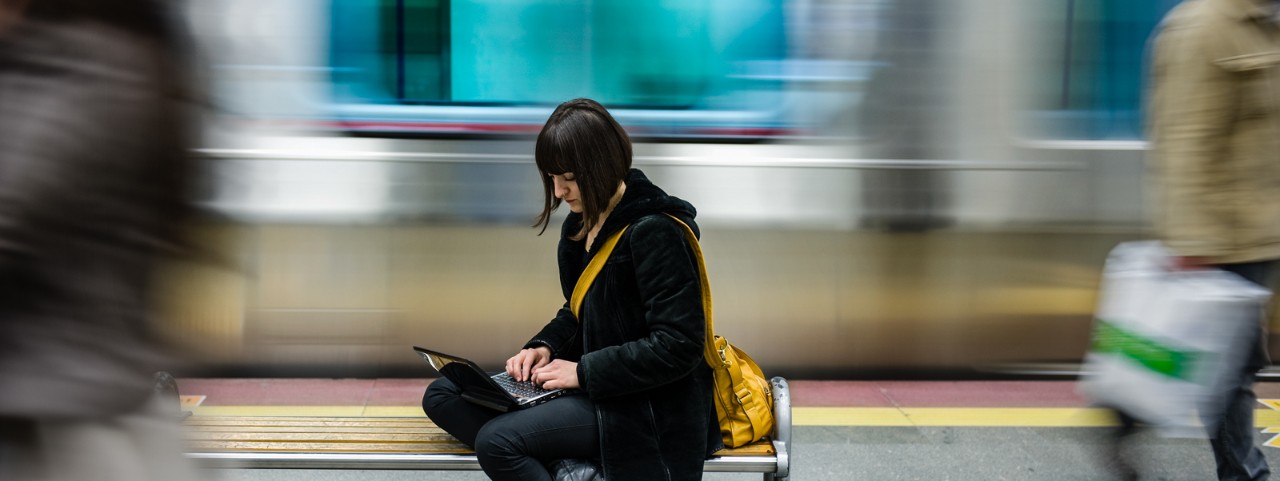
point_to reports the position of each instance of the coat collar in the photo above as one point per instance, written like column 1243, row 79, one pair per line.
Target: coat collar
column 1245, row 10
column 641, row 199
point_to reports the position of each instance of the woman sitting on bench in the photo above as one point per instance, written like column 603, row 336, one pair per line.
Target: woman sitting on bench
column 645, row 409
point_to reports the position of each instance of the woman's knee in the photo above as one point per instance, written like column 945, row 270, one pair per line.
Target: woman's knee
column 439, row 393
column 496, row 442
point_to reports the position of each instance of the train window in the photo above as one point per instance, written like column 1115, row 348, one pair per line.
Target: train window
column 391, row 50
column 499, row 64
column 1088, row 80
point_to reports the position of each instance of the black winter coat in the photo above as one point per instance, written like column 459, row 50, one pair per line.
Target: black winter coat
column 639, row 347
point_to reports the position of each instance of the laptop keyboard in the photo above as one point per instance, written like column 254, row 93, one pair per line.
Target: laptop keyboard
column 519, row 389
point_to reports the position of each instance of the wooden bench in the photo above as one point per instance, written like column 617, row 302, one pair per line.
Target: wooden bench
column 413, row 443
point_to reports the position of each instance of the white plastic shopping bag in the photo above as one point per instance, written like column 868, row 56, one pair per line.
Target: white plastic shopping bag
column 1166, row 343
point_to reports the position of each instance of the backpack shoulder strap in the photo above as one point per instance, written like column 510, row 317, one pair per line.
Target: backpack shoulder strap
column 710, row 353
column 588, row 276
column 593, row 268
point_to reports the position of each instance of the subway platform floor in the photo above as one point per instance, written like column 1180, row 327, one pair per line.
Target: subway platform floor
column 843, row 430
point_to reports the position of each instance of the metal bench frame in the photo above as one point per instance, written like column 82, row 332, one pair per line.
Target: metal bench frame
column 774, row 468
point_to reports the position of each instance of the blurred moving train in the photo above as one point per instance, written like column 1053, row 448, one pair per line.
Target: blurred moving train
column 920, row 184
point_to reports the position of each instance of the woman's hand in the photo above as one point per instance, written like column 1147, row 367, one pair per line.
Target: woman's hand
column 559, row 374
column 1190, row 263
column 521, row 365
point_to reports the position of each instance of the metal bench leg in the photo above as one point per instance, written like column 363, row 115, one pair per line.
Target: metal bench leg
column 784, row 463
column 781, row 429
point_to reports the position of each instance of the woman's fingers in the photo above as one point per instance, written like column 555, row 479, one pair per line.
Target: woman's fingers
column 556, row 374
column 521, row 366
column 526, row 368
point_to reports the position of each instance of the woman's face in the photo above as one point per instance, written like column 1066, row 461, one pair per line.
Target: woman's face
column 565, row 187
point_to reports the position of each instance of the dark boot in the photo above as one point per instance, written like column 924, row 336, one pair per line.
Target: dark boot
column 1116, row 455
column 166, row 388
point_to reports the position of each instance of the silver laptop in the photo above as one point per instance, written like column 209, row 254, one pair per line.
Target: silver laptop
column 497, row 391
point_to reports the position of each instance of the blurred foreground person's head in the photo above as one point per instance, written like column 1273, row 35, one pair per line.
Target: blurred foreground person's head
column 150, row 17
column 94, row 173
column 94, row 177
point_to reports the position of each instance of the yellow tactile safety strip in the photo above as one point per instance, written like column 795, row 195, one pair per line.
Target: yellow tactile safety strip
column 993, row 417
column 982, row 417
column 801, row 416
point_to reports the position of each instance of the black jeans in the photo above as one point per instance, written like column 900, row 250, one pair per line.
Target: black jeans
column 517, row 445
column 1234, row 447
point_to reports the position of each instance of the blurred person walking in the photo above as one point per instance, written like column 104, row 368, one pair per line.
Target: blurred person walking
column 1214, row 127
column 93, row 180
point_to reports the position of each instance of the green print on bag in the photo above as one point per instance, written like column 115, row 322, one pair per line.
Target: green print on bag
column 1167, row 360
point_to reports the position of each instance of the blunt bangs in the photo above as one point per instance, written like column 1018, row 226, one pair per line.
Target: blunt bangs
column 551, row 152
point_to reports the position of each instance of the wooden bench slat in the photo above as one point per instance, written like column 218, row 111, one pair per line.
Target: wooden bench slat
column 429, row 429
column 427, row 448
column 371, row 419
column 322, row 437
column 347, row 434
column 307, row 421
column 759, row 448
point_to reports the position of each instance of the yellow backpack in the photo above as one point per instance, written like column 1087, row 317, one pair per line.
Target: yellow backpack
column 744, row 403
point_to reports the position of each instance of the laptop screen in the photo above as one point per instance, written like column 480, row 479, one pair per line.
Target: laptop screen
column 461, row 371
column 479, row 387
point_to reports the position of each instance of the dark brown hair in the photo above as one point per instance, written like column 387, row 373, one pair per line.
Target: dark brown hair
column 154, row 18
column 581, row 137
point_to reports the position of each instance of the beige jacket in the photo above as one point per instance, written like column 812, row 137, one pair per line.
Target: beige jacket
column 1215, row 130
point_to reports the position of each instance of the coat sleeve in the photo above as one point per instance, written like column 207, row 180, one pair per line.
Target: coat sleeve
column 670, row 292
column 1193, row 109
column 560, row 335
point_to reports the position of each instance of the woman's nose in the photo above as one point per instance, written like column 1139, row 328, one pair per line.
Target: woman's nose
column 558, row 188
